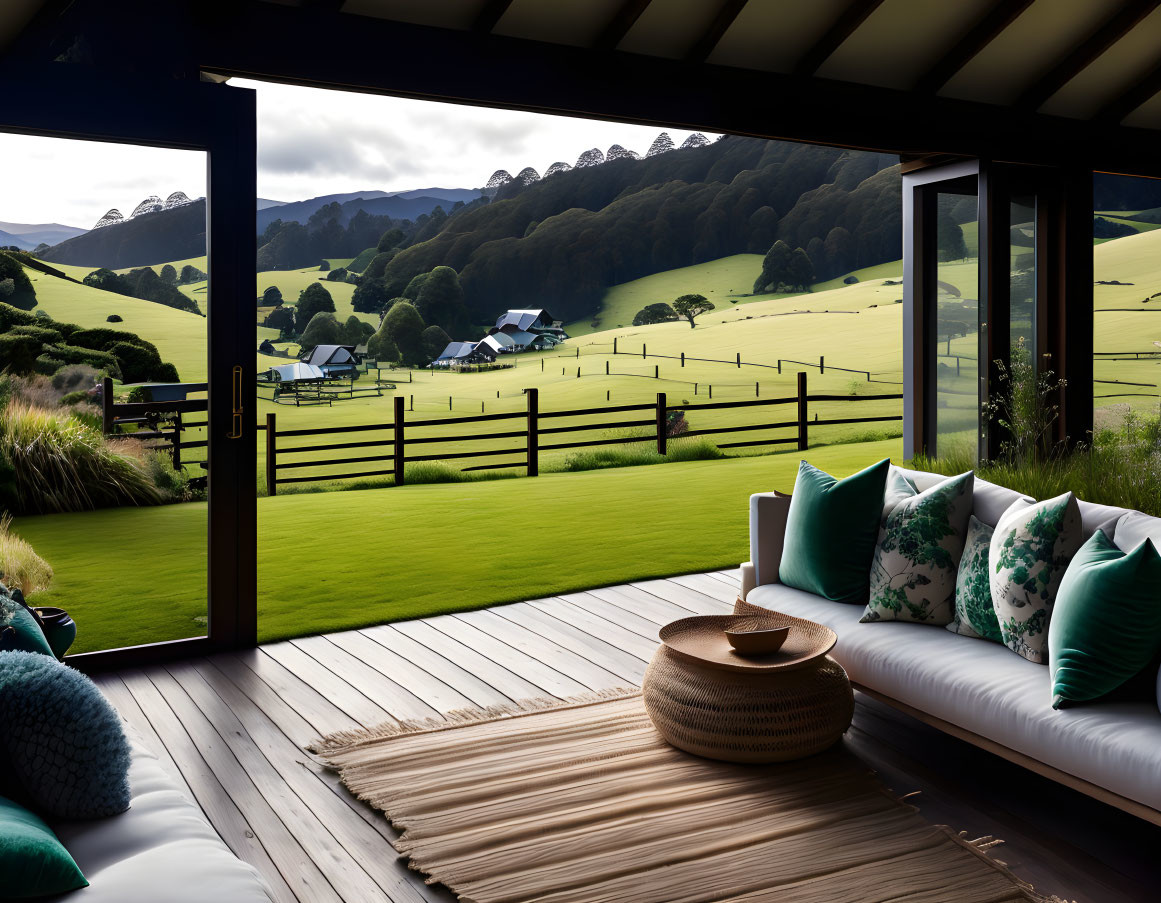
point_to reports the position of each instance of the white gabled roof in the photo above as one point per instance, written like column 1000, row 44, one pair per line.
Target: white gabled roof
column 294, row 372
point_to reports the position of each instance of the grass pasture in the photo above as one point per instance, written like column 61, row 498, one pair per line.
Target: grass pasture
column 388, row 555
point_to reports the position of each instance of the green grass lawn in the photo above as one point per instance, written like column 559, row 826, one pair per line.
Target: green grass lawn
column 333, row 561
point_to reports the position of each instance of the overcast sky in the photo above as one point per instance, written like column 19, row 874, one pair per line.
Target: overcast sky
column 311, row 142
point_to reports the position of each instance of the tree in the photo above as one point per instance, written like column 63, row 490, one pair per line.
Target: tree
column 441, row 300
column 381, row 347
column 415, row 286
column 370, row 297
column 840, row 251
column 324, row 266
column 690, row 306
column 378, row 264
column 949, row 238
column 282, row 319
column 191, row 274
column 313, row 299
column 169, row 274
column 337, row 275
column 392, row 238
column 775, row 268
column 404, row 326
column 323, row 329
column 434, row 340
column 801, row 270
column 356, row 332
column 655, row 313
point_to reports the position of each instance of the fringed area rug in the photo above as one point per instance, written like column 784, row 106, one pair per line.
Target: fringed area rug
column 583, row 802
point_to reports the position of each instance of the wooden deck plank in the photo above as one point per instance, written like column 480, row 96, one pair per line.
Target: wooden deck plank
column 283, row 792
column 258, row 733
column 535, row 646
column 634, row 645
column 296, row 867
column 331, row 686
column 464, row 682
column 497, row 676
column 644, row 605
column 633, row 622
column 547, row 680
column 541, row 620
column 218, row 804
column 707, row 585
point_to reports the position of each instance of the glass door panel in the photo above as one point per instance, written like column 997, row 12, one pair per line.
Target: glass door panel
column 955, row 306
column 103, row 340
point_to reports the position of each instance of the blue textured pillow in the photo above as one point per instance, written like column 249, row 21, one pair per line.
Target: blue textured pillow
column 63, row 741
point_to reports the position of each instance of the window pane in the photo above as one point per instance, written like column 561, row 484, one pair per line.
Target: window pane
column 957, row 324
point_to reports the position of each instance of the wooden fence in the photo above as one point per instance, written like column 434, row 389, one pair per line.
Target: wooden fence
column 386, row 449
column 148, row 420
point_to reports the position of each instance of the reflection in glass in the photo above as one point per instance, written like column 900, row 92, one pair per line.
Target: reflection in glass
column 1022, row 274
column 957, row 325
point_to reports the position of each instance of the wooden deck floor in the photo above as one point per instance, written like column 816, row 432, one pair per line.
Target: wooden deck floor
column 232, row 728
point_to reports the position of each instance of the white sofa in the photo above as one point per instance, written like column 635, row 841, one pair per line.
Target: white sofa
column 977, row 689
column 162, row 850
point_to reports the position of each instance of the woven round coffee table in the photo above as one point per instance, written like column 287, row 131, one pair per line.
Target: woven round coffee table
column 707, row 699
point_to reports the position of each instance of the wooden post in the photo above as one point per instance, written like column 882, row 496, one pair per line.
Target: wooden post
column 107, row 405
column 683, row 359
column 532, row 396
column 578, row 352
column 606, row 368
column 271, row 455
column 657, row 371
column 449, row 402
column 661, row 435
column 739, row 360
column 177, row 444
column 399, row 440
column 695, row 388
column 802, row 440
column 957, row 365
column 614, row 344
column 755, row 389
column 711, row 391
column 779, row 366
column 608, row 394
column 411, row 402
column 542, row 365
column 821, row 364
column 578, row 372
column 642, row 351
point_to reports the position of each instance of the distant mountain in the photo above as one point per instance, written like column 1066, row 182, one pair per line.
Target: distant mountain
column 28, row 235
column 407, row 204
column 148, row 238
column 264, row 203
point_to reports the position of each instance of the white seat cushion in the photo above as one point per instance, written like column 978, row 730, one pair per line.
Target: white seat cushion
column 161, row 849
column 987, row 689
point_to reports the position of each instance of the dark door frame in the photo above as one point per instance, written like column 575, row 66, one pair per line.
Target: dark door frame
column 66, row 101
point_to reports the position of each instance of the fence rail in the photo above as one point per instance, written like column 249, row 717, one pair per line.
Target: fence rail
column 281, row 458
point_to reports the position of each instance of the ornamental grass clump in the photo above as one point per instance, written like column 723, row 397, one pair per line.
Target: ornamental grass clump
column 20, row 567
column 57, row 464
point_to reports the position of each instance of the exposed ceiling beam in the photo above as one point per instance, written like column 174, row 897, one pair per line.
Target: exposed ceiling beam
column 1002, row 14
column 624, row 19
column 490, row 15
column 1123, row 21
column 713, row 35
column 844, row 26
column 1142, row 90
column 384, row 57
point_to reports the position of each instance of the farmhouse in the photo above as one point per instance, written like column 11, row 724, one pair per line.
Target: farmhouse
column 293, row 373
column 497, row 343
column 463, row 353
column 333, row 360
column 532, row 341
column 535, row 321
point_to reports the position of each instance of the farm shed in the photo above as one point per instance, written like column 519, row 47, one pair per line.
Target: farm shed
column 294, row 373
column 333, row 360
column 497, row 343
column 462, row 353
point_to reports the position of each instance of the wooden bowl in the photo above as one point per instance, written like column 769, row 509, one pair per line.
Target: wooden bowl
column 757, row 642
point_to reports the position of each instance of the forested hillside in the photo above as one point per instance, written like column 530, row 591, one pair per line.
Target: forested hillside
column 564, row 239
column 175, row 234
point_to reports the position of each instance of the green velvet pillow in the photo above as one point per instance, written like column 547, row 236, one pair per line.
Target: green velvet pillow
column 1106, row 625
column 33, row 863
column 25, row 635
column 831, row 530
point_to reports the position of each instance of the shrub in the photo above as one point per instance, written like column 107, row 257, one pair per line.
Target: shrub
column 324, row 266
column 17, row 288
column 169, row 274
column 13, row 316
column 44, row 334
column 18, row 353
column 114, row 318
column 75, row 376
column 20, row 567
column 312, row 300
column 104, row 339
column 70, row 354
column 74, row 398
column 47, row 365
column 61, row 465
column 378, row 264
column 850, row 280
column 137, row 364
column 338, row 274
column 323, row 329
column 693, row 449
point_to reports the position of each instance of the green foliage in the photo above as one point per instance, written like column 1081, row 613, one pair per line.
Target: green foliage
column 338, row 274
column 314, row 299
column 360, row 262
column 434, row 341
column 169, row 274
column 15, row 286
column 784, row 270
column 1024, row 405
column 370, row 296
column 282, row 319
column 190, row 274
column 114, row 318
column 141, row 283
column 59, row 355
column 392, row 238
column 381, row 347
column 378, row 264
column 271, row 297
column 324, row 266
column 414, row 287
column 43, row 334
column 690, row 306
column 404, row 326
column 18, row 353
column 323, row 329
column 655, row 313
column 75, row 377
column 356, row 332
column 694, row 449
column 137, row 363
column 441, row 300
column 13, row 316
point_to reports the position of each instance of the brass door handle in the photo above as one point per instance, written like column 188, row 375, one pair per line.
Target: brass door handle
column 236, row 432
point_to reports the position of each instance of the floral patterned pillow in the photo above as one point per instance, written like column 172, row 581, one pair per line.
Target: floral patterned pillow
column 917, row 557
column 1030, row 550
column 974, row 614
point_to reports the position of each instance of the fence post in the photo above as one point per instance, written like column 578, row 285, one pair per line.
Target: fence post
column 399, row 440
column 532, row 395
column 657, row 371
column 578, row 352
column 683, row 358
column 642, row 351
column 802, row 441
column 711, row 391
column 271, row 455
column 755, row 389
column 661, row 434
column 107, row 405
column 739, row 360
column 177, row 444
column 779, row 366
column 614, row 344
column 606, row 368
column 821, row 364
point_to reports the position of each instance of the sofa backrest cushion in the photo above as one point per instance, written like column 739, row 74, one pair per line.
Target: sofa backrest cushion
column 1095, row 517
column 1134, row 528
column 991, row 500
